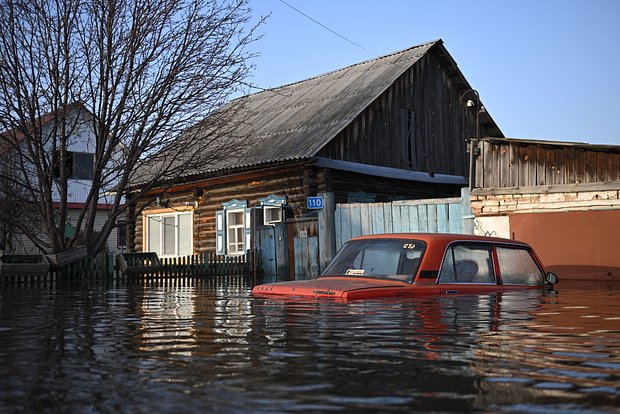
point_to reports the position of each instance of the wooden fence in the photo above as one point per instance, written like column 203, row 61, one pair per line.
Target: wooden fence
column 105, row 266
column 445, row 215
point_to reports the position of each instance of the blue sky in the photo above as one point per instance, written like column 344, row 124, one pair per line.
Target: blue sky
column 545, row 69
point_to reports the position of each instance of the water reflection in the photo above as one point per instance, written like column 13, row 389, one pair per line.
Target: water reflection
column 207, row 346
column 167, row 321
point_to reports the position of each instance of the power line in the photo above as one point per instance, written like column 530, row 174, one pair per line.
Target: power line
column 333, row 31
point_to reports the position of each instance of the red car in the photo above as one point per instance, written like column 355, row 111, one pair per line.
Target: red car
column 412, row 264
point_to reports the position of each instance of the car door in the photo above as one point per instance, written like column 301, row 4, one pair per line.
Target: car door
column 467, row 267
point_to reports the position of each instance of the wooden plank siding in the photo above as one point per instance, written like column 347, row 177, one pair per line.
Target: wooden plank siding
column 383, row 189
column 517, row 164
column 613, row 167
column 433, row 141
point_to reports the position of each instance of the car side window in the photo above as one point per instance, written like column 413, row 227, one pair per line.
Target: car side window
column 467, row 263
column 518, row 267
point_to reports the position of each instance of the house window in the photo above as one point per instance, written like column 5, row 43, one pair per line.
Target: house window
column 273, row 209
column 83, row 166
column 170, row 234
column 235, row 231
column 272, row 215
column 121, row 234
column 232, row 228
column 79, row 165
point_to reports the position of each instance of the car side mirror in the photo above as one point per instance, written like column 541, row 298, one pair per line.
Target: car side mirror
column 551, row 278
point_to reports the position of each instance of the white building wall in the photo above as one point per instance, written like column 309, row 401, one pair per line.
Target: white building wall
column 100, row 219
column 83, row 141
column 494, row 226
column 22, row 245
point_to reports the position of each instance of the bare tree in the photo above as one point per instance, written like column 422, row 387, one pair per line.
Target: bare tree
column 134, row 74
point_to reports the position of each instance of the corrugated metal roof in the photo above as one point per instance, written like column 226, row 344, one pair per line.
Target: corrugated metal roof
column 297, row 120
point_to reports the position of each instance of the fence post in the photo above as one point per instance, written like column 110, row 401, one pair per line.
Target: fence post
column 466, row 212
column 327, row 234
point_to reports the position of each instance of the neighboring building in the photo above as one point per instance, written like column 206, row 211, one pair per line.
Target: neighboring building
column 386, row 129
column 81, row 150
column 562, row 198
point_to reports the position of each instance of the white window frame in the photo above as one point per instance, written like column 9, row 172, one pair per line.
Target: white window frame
column 232, row 246
column 268, row 219
column 160, row 218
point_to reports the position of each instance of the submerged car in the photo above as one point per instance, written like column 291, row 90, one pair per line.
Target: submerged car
column 412, row 264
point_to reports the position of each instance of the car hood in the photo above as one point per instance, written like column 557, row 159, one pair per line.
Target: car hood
column 332, row 287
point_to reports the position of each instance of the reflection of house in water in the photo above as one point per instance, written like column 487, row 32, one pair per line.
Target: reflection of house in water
column 231, row 320
column 196, row 317
column 167, row 321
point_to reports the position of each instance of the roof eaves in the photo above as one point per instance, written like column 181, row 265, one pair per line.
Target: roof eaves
column 389, row 172
column 218, row 172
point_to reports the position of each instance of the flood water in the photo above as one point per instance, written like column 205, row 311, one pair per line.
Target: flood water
column 196, row 346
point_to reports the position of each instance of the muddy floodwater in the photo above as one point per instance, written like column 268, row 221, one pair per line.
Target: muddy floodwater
column 207, row 346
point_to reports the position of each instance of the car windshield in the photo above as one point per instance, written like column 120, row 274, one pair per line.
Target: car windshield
column 378, row 258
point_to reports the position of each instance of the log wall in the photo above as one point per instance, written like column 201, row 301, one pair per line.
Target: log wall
column 292, row 181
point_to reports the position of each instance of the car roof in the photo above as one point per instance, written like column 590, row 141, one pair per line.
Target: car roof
column 433, row 238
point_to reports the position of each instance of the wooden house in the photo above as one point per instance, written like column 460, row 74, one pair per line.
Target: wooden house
column 561, row 197
column 390, row 128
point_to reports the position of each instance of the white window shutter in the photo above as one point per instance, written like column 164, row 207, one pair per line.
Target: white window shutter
column 220, row 233
column 248, row 229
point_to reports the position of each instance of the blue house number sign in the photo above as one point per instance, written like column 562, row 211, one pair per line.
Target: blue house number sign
column 315, row 203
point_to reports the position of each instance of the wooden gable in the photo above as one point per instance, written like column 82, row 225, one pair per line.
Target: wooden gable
column 419, row 123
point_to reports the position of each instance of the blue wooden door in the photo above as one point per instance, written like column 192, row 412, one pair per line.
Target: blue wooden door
column 306, row 257
column 266, row 250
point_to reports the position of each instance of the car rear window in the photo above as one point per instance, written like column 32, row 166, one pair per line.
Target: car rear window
column 518, row 267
